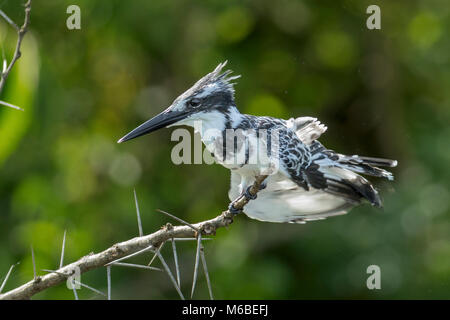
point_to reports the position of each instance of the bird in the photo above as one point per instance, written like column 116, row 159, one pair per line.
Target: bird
column 305, row 180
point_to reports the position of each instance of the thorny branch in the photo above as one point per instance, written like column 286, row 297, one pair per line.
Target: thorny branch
column 6, row 68
column 124, row 249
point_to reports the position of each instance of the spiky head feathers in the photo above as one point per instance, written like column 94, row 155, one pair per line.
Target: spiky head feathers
column 213, row 90
column 210, row 99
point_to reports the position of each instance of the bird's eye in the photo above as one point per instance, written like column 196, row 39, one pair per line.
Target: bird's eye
column 194, row 103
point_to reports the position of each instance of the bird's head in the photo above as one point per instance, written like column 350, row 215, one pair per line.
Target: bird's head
column 211, row 95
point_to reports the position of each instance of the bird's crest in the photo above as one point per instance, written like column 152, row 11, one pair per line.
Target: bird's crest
column 213, row 81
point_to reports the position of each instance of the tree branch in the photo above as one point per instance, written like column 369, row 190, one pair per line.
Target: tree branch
column 123, row 249
column 20, row 33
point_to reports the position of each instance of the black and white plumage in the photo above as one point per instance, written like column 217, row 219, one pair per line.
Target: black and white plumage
column 306, row 180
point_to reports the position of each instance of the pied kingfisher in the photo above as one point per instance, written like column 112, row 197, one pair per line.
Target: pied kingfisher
column 309, row 182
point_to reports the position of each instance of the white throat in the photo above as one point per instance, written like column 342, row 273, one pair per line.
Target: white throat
column 210, row 124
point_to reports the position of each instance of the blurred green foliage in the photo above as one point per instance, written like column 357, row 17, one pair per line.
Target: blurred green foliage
column 381, row 92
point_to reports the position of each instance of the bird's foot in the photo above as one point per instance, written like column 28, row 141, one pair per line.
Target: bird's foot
column 233, row 210
column 248, row 195
column 263, row 185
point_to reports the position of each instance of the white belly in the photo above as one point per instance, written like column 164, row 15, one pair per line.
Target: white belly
column 284, row 201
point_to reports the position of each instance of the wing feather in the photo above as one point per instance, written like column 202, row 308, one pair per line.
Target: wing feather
column 307, row 129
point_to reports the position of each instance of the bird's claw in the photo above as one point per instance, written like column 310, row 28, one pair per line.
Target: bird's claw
column 233, row 210
column 248, row 195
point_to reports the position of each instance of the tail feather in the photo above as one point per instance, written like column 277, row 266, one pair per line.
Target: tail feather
column 376, row 161
column 367, row 165
column 349, row 185
column 355, row 163
column 338, row 174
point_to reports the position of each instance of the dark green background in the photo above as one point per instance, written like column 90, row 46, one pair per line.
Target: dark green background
column 381, row 92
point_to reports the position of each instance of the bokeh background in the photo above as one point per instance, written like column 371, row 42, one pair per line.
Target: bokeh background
column 381, row 92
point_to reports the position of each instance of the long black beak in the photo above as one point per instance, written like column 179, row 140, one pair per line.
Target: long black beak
column 160, row 121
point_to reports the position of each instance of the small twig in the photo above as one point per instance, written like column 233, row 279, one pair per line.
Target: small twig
column 7, row 276
column 178, row 219
column 141, row 233
column 197, row 256
column 20, row 34
column 108, row 276
column 175, row 257
column 61, row 261
column 132, row 265
column 166, row 267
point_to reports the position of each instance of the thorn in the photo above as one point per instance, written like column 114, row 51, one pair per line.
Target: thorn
column 9, row 21
column 34, row 263
column 154, row 256
column 5, row 62
column 61, row 262
column 139, row 266
column 190, row 239
column 76, row 281
column 55, row 271
column 7, row 276
column 166, row 267
column 10, row 105
column 151, row 247
column 178, row 219
column 90, row 288
column 138, row 214
column 74, row 290
column 108, row 276
column 197, row 256
column 175, row 257
column 205, row 269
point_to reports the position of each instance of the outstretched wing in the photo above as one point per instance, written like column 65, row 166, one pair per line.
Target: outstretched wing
column 307, row 129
